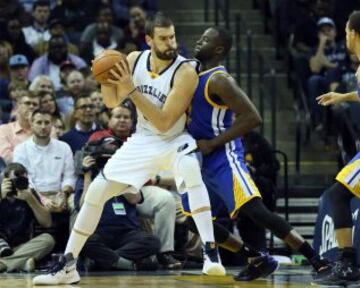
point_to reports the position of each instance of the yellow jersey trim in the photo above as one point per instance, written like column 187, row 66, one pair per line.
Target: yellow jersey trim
column 206, row 92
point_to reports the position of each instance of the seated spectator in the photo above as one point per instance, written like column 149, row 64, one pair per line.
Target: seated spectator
column 105, row 15
column 38, row 32
column 59, row 126
column 135, row 31
column 15, row 36
column 20, row 206
column 13, row 9
column 76, row 14
column 102, row 41
column 50, row 165
column 48, row 103
column 5, row 54
column 49, row 64
column 19, row 68
column 85, row 125
column 102, row 113
column 56, row 28
column 17, row 132
column 327, row 55
column 118, row 242
column 74, row 87
column 16, row 91
column 42, row 83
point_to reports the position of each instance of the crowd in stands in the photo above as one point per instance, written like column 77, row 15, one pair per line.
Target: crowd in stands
column 56, row 134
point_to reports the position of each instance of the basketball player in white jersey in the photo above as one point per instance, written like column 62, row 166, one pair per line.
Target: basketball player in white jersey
column 161, row 85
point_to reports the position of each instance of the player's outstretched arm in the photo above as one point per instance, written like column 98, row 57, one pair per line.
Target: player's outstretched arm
column 333, row 98
column 177, row 102
column 248, row 118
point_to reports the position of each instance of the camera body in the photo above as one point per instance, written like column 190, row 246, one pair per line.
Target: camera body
column 18, row 183
column 102, row 149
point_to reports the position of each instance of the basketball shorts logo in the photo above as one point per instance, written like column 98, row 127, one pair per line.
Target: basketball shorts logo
column 182, row 147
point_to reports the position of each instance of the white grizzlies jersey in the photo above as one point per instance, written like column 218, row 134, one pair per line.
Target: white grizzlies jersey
column 156, row 87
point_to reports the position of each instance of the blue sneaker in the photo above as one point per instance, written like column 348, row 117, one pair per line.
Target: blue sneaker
column 258, row 268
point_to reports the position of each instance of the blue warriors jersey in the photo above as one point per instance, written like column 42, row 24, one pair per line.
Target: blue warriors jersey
column 224, row 171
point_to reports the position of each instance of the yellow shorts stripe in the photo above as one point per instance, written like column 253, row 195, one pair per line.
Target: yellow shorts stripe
column 240, row 195
column 349, row 176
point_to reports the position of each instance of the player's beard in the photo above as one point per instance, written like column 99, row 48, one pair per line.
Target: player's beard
column 169, row 54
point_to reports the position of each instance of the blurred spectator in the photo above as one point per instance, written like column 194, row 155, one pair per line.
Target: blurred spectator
column 84, row 114
column 76, row 14
column 65, row 68
column 28, row 4
column 59, row 126
column 74, row 88
column 38, row 32
column 12, row 9
column 19, row 68
column 42, row 83
column 342, row 79
column 17, row 132
column 91, row 84
column 48, row 103
column 15, row 36
column 327, row 55
column 56, row 28
column 19, row 207
column 49, row 163
column 5, row 54
column 102, row 113
column 102, row 41
column 49, row 64
column 135, row 31
column 105, row 15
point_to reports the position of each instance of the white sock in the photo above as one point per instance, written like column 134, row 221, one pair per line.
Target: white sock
column 198, row 199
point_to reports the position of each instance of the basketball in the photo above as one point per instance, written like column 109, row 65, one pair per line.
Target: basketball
column 103, row 63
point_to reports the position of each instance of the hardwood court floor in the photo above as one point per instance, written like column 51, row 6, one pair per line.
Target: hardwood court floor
column 285, row 277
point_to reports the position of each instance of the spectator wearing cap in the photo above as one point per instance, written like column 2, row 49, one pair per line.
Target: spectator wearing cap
column 19, row 68
column 38, row 32
column 56, row 28
column 326, row 56
column 49, row 64
column 15, row 36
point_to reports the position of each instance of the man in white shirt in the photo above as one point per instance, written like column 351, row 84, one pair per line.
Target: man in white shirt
column 38, row 31
column 49, row 163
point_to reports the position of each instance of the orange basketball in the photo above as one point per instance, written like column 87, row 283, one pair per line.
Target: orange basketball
column 103, row 62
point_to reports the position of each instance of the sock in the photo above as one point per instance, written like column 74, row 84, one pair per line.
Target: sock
column 124, row 264
column 249, row 252
column 200, row 204
column 348, row 253
column 306, row 250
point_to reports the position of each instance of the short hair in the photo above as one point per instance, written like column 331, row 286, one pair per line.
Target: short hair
column 354, row 21
column 35, row 83
column 42, row 112
column 158, row 20
column 82, row 96
column 225, row 38
column 18, row 169
column 40, row 3
column 30, row 94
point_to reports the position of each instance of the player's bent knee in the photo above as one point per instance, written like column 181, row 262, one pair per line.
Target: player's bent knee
column 189, row 169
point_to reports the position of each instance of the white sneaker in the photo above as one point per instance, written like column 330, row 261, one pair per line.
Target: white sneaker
column 63, row 272
column 212, row 263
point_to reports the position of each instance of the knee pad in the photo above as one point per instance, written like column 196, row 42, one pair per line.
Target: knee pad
column 189, row 169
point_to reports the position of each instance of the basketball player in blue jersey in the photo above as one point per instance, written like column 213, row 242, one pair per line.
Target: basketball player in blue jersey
column 210, row 122
column 154, row 80
column 347, row 183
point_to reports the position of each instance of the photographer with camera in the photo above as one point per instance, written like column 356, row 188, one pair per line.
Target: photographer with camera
column 19, row 207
